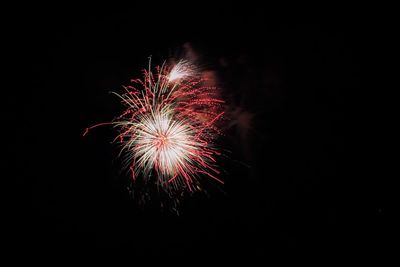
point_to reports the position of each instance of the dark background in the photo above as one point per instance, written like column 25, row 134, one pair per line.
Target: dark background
column 289, row 82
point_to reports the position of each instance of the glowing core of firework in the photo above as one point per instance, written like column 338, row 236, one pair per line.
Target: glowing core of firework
column 164, row 144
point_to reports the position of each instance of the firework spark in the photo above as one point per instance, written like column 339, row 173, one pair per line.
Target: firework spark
column 169, row 127
column 183, row 69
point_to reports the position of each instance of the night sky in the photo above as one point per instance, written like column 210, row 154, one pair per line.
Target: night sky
column 285, row 85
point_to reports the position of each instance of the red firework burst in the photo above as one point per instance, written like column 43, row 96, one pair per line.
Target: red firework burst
column 169, row 127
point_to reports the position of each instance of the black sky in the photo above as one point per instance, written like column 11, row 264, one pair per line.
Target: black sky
column 292, row 79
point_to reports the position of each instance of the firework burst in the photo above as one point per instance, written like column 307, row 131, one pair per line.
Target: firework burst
column 168, row 128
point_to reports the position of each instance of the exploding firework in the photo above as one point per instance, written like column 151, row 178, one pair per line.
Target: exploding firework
column 168, row 129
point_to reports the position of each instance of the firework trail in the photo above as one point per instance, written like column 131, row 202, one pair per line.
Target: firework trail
column 168, row 129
